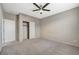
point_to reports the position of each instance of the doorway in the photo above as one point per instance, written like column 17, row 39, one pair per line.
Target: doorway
column 25, row 30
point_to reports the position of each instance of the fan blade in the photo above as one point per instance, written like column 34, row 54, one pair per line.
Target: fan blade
column 46, row 10
column 36, row 5
column 36, row 10
column 45, row 5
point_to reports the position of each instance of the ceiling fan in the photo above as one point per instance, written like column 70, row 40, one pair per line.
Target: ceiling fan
column 41, row 7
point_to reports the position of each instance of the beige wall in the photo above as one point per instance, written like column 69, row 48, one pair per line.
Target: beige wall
column 62, row 27
column 27, row 18
column 1, row 18
column 9, row 16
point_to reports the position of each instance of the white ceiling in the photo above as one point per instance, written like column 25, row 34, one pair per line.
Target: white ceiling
column 26, row 8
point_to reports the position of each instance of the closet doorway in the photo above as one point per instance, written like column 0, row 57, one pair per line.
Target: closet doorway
column 25, row 30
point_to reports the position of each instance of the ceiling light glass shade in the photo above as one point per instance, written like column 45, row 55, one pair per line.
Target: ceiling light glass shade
column 41, row 11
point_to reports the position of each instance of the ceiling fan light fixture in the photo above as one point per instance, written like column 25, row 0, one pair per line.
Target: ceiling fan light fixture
column 40, row 12
column 41, row 7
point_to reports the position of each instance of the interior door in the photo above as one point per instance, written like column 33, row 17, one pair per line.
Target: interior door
column 9, row 30
column 24, row 30
column 32, row 30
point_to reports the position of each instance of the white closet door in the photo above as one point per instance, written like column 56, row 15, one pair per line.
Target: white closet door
column 9, row 30
column 24, row 31
column 32, row 30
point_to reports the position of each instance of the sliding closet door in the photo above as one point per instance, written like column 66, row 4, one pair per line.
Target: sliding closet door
column 24, row 31
column 9, row 30
column 32, row 30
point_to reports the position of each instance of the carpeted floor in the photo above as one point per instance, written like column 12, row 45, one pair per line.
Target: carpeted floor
column 39, row 47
